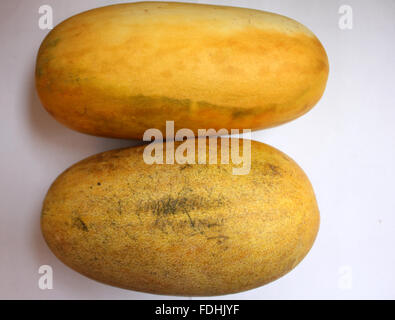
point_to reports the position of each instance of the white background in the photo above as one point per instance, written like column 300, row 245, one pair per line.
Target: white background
column 346, row 145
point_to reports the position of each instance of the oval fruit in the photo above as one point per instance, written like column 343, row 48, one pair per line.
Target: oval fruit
column 118, row 70
column 181, row 229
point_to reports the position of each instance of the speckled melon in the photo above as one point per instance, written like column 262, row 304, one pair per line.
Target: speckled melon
column 181, row 229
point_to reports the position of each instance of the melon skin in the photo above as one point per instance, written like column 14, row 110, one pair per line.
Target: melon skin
column 181, row 229
column 119, row 70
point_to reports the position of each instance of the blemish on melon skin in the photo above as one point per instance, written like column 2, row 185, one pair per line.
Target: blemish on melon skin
column 275, row 170
column 44, row 212
column 39, row 71
column 120, row 207
column 167, row 207
column 269, row 169
column 205, row 227
column 51, row 43
column 41, row 65
column 187, row 166
column 175, row 205
column 220, row 237
column 239, row 113
column 236, row 112
column 149, row 104
column 80, row 224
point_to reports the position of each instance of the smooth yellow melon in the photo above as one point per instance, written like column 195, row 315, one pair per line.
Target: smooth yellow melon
column 118, row 70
